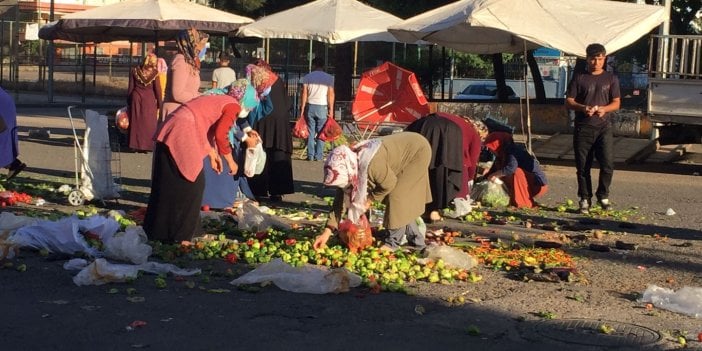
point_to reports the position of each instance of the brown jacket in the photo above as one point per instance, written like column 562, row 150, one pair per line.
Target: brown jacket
column 398, row 176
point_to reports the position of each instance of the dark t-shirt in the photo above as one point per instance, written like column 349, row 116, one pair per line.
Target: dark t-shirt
column 593, row 90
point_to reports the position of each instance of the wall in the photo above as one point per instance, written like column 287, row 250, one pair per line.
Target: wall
column 548, row 119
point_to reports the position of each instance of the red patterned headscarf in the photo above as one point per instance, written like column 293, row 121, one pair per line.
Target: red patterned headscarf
column 187, row 41
column 497, row 142
column 147, row 72
column 348, row 169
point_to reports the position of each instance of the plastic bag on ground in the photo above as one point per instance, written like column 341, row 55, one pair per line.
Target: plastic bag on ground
column 491, row 194
column 9, row 223
column 129, row 246
column 687, row 300
column 450, row 255
column 67, row 235
column 250, row 217
column 309, row 278
column 75, row 264
column 101, row 272
column 463, row 206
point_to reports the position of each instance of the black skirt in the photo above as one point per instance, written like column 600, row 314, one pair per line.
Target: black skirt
column 173, row 212
column 277, row 175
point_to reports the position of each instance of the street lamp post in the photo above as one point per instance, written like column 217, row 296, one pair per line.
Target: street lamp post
column 50, row 57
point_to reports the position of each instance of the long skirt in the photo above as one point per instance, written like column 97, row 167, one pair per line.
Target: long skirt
column 523, row 189
column 173, row 212
column 277, row 175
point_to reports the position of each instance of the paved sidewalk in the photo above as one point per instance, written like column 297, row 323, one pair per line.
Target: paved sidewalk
column 41, row 99
column 547, row 147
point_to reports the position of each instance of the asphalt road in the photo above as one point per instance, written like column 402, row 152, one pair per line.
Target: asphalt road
column 44, row 310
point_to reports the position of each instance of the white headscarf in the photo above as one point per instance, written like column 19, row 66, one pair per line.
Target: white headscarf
column 348, row 169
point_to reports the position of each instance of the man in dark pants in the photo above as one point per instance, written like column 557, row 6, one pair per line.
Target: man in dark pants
column 593, row 95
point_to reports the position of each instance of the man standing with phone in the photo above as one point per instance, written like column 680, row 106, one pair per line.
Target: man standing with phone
column 594, row 95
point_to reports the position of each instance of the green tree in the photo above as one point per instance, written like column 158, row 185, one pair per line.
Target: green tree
column 248, row 8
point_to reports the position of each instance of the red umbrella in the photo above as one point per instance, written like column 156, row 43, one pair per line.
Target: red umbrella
column 388, row 93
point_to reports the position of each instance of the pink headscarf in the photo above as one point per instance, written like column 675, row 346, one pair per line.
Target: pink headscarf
column 348, row 169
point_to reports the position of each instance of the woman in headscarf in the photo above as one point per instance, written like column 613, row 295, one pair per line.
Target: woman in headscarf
column 9, row 143
column 391, row 169
column 273, row 124
column 183, row 82
column 472, row 143
column 144, row 99
column 519, row 170
column 446, row 166
column 221, row 189
column 197, row 129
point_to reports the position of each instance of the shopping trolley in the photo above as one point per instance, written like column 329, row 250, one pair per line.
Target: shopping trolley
column 97, row 167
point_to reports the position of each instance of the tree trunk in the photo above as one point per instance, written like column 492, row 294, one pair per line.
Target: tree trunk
column 343, row 69
column 536, row 76
column 499, row 68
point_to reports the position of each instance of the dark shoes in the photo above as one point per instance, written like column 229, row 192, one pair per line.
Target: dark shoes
column 15, row 168
column 276, row 198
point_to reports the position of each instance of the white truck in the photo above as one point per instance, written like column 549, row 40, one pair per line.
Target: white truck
column 675, row 88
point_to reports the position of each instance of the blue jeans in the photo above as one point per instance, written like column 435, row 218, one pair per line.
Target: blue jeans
column 316, row 116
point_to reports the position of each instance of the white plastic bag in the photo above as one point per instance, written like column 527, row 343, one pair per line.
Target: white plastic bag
column 254, row 160
column 491, row 194
column 463, row 206
column 450, row 255
column 75, row 264
column 101, row 272
column 250, row 217
column 308, row 278
column 67, row 234
column 687, row 300
column 9, row 222
column 96, row 171
column 9, row 247
column 129, row 246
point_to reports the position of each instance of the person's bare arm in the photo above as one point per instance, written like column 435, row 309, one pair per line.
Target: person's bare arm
column 611, row 107
column 330, row 102
column 303, row 99
column 571, row 104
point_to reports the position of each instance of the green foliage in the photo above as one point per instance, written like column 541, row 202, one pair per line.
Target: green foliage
column 243, row 7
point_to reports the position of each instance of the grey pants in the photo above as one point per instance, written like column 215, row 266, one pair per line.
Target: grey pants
column 414, row 236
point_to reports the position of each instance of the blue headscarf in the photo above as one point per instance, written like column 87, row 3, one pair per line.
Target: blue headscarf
column 245, row 93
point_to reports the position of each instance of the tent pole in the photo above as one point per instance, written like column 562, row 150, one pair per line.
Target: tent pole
column 526, row 94
column 82, row 58
column 50, row 57
column 268, row 50
column 355, row 57
column 309, row 58
column 94, row 65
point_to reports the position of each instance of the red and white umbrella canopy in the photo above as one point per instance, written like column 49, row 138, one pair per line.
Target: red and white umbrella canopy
column 389, row 93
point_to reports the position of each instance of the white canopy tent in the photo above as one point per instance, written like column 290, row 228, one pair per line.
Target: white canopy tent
column 508, row 26
column 146, row 20
column 502, row 26
column 327, row 21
